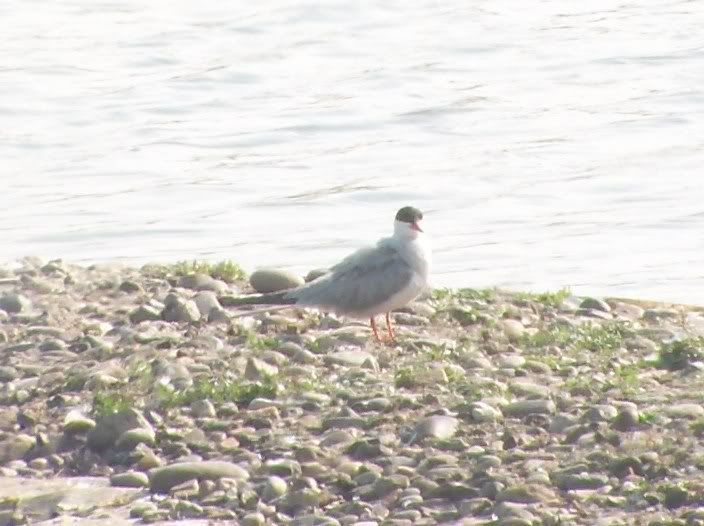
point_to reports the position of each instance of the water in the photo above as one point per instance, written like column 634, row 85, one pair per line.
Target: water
column 551, row 143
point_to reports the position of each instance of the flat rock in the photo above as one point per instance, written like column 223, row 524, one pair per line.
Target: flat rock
column 109, row 429
column 353, row 358
column 178, row 309
column 523, row 408
column 435, row 426
column 163, row 479
column 315, row 274
column 15, row 303
column 274, row 280
column 206, row 301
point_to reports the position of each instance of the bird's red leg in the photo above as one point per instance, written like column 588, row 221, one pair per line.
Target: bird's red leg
column 392, row 336
column 373, row 324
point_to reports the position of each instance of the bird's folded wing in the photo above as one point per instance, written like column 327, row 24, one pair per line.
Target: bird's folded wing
column 367, row 278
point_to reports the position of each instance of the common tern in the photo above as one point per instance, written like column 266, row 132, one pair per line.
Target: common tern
column 370, row 281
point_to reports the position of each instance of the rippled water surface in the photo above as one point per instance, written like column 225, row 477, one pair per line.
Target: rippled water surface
column 551, row 143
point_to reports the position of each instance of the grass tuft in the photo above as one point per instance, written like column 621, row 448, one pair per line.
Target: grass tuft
column 681, row 354
column 226, row 270
column 549, row 299
column 219, row 391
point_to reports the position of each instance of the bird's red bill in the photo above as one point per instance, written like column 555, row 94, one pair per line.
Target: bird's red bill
column 414, row 226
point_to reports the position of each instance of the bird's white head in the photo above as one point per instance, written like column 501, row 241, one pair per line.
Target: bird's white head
column 407, row 223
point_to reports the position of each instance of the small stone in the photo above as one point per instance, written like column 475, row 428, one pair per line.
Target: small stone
column 206, row 301
column 436, row 426
column 626, row 419
column 315, row 274
column 527, row 494
column 353, row 358
column 257, row 370
column 253, row 519
column 15, row 303
column 577, row 481
column 482, row 412
column 511, row 361
column 163, row 479
column 76, row 422
column 130, row 479
column 130, row 287
column 130, row 438
column 596, row 304
column 529, row 389
column 273, row 280
column 514, row 329
column 203, row 409
column 7, row 373
column 111, row 427
column 523, row 408
column 684, row 411
column 202, row 282
column 178, row 309
column 273, row 488
column 600, row 413
column 16, row 447
column 145, row 313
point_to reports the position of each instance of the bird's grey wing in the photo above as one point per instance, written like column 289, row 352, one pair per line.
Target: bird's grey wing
column 359, row 282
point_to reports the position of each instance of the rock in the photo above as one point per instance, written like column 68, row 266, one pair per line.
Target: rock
column 15, row 303
column 273, row 488
column 253, row 519
column 203, row 409
column 110, row 428
column 481, row 412
column 596, row 304
column 145, row 313
column 130, row 287
column 514, row 329
column 257, row 370
column 76, row 422
column 520, row 388
column 7, row 373
column 684, row 411
column 528, row 494
column 600, row 413
column 202, row 282
column 16, row 447
column 353, row 358
column 178, row 309
column 523, row 408
column 273, row 280
column 130, row 479
column 206, row 301
column 511, row 361
column 576, row 481
column 163, row 479
column 130, row 438
column 436, row 426
column 315, row 274
column 627, row 418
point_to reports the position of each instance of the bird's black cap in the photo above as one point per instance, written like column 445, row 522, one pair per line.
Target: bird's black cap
column 409, row 214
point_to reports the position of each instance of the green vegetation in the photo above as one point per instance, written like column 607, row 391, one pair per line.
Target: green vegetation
column 464, row 294
column 587, row 337
column 225, row 270
column 681, row 354
column 109, row 402
column 219, row 391
column 549, row 299
column 259, row 342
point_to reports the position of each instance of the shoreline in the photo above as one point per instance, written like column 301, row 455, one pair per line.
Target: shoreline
column 495, row 407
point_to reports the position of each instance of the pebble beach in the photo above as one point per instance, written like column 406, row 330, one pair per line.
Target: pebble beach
column 142, row 396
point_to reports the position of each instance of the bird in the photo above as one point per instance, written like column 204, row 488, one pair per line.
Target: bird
column 370, row 281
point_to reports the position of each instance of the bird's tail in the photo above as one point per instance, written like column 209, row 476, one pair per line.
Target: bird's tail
column 275, row 298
